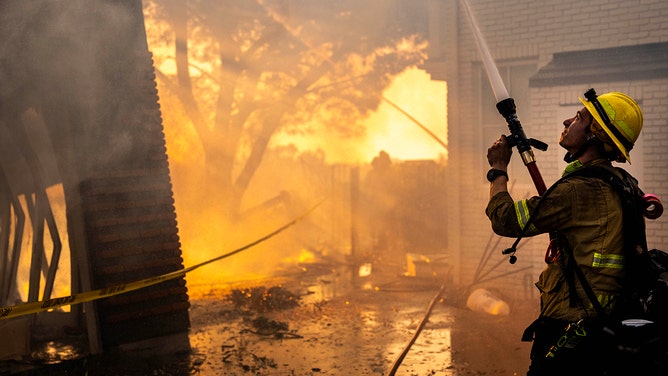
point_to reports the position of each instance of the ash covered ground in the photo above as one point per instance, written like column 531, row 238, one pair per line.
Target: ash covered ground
column 328, row 323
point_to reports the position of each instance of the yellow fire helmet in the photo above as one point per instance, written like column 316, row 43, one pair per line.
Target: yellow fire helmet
column 620, row 118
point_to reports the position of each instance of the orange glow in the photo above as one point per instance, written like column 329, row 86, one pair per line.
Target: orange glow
column 203, row 239
column 364, row 270
column 303, row 256
column 61, row 283
column 387, row 128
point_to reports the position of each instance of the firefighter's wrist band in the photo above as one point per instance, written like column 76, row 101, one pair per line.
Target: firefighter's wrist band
column 495, row 173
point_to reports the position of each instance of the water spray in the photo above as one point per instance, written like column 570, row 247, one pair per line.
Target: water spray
column 499, row 89
column 506, row 107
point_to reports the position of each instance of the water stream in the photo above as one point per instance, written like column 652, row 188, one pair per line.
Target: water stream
column 500, row 92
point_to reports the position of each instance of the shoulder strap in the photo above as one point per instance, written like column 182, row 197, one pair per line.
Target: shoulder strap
column 630, row 194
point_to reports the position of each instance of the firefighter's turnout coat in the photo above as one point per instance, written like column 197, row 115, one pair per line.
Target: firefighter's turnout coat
column 585, row 212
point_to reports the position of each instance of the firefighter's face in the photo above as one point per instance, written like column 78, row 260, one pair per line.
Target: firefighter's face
column 576, row 131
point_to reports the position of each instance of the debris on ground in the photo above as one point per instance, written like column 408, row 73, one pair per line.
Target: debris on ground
column 251, row 303
column 266, row 327
column 341, row 329
column 262, row 299
column 239, row 354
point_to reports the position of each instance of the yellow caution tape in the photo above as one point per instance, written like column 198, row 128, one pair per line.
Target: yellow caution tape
column 45, row 305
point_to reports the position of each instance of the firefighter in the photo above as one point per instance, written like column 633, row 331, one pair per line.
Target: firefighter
column 585, row 216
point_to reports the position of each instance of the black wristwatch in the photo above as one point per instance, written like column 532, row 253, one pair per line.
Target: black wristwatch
column 495, row 173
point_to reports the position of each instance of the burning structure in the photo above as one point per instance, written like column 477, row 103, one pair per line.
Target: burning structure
column 85, row 174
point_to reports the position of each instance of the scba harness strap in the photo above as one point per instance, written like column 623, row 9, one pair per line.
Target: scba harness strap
column 635, row 203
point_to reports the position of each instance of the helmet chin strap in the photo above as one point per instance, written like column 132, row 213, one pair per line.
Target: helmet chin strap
column 568, row 158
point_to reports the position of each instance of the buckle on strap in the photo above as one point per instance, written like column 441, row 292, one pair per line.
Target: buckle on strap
column 552, row 252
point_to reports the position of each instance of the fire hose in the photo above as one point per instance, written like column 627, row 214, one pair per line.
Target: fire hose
column 402, row 355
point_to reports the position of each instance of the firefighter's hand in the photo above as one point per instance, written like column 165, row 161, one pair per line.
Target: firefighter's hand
column 498, row 155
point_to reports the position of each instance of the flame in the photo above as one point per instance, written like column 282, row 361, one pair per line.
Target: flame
column 387, row 128
column 364, row 270
column 305, row 256
column 63, row 277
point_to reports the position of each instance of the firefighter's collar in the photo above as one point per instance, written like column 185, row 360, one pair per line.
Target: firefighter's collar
column 575, row 165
